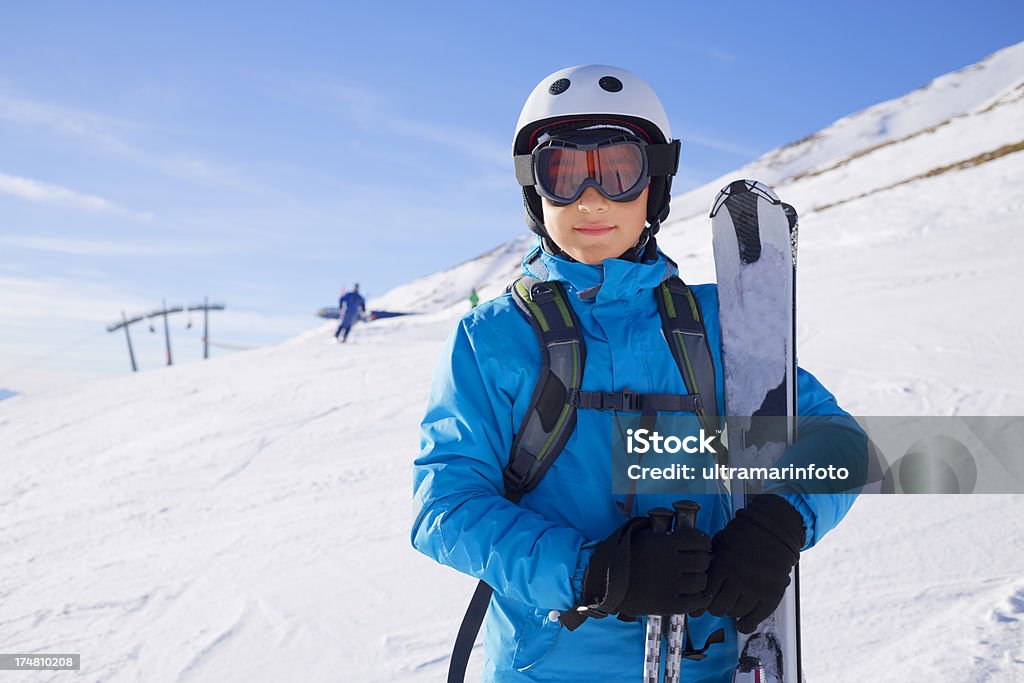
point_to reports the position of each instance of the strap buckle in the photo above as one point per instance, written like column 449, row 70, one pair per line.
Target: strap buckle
column 541, row 293
column 631, row 401
column 623, row 401
column 676, row 285
column 517, row 473
column 573, row 397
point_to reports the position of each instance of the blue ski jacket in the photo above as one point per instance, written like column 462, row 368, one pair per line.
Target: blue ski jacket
column 350, row 306
column 534, row 554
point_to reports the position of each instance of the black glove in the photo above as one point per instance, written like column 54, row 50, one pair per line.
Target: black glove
column 752, row 559
column 638, row 571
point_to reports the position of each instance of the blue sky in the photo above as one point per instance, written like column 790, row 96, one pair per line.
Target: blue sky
column 267, row 154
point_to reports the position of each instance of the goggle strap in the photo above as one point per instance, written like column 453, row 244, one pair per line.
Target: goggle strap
column 524, row 169
column 663, row 159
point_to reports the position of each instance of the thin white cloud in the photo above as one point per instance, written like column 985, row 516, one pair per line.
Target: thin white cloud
column 111, row 134
column 80, row 247
column 39, row 299
column 47, row 193
column 358, row 103
column 472, row 145
column 370, row 111
column 722, row 55
column 710, row 52
column 712, row 142
column 101, row 130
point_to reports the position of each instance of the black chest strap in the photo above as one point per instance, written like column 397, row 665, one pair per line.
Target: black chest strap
column 632, row 402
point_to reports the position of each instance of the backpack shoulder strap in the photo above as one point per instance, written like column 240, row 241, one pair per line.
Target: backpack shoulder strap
column 549, row 421
column 684, row 331
column 551, row 416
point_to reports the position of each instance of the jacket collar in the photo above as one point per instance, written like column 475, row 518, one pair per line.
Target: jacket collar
column 614, row 279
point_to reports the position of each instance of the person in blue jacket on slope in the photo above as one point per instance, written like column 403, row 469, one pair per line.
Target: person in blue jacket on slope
column 351, row 306
column 596, row 206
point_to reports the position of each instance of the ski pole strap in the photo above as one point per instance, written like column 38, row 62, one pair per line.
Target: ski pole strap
column 611, row 564
column 718, row 636
column 572, row 619
column 684, row 332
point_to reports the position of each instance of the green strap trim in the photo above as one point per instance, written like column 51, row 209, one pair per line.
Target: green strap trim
column 693, row 306
column 563, row 307
column 666, row 296
column 670, row 304
column 534, row 308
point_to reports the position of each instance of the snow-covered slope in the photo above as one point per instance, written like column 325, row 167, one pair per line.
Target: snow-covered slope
column 247, row 518
column 449, row 289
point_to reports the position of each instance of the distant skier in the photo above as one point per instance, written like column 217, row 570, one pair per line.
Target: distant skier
column 534, row 379
column 474, row 298
column 350, row 308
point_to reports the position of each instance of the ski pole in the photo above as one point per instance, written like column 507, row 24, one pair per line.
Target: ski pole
column 685, row 518
column 661, row 523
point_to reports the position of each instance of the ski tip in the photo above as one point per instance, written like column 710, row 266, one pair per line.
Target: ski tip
column 738, row 187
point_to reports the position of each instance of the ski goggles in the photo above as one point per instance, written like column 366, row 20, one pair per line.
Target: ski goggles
column 619, row 167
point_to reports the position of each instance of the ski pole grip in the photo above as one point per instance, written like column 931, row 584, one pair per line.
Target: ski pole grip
column 685, row 513
column 661, row 520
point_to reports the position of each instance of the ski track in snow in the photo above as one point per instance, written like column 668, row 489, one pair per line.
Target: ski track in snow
column 248, row 518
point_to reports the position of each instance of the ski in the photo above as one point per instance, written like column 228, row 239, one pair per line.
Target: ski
column 754, row 239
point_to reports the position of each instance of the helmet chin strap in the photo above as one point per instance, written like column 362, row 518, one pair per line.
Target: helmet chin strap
column 549, row 247
column 646, row 247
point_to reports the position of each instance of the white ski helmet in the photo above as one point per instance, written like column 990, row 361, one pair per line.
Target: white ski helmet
column 587, row 95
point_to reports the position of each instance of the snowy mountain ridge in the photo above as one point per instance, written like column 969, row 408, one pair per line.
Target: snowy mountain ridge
column 961, row 99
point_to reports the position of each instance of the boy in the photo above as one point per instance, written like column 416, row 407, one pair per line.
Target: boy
column 595, row 156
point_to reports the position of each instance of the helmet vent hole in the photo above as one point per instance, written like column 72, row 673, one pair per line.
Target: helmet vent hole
column 610, row 83
column 560, row 86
